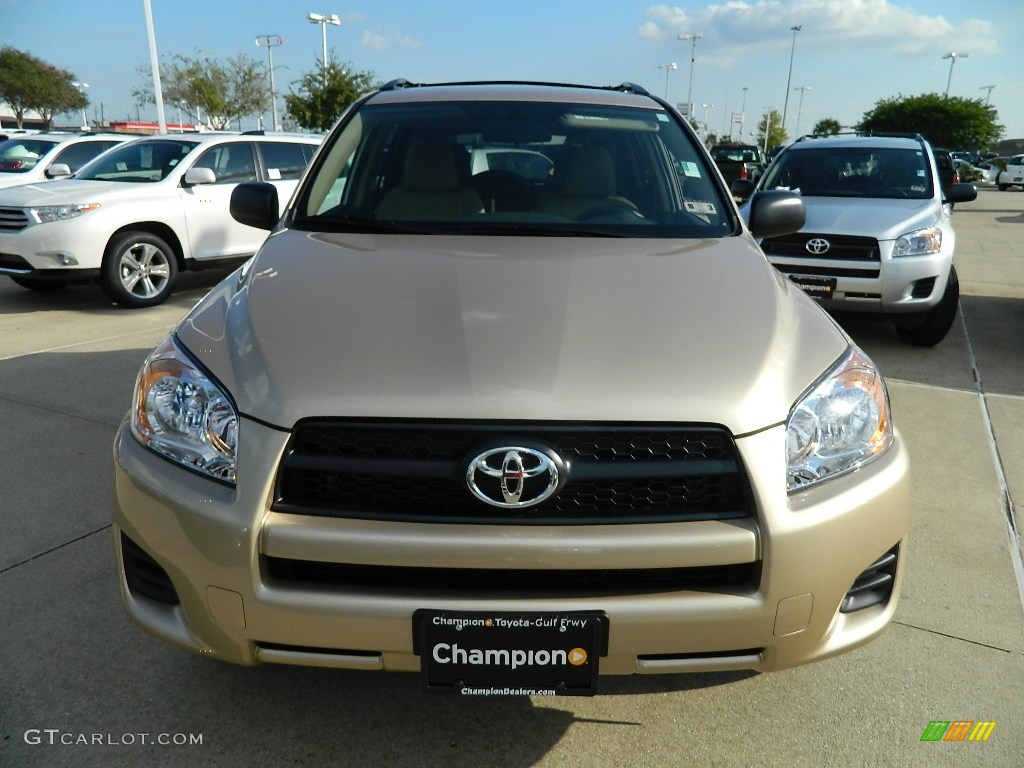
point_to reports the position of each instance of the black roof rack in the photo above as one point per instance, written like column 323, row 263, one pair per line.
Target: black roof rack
column 625, row 87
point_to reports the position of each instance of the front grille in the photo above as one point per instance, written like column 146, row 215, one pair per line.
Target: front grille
column 416, row 472
column 13, row 219
column 521, row 582
column 841, row 247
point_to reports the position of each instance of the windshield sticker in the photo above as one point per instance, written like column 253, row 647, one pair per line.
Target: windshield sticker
column 700, row 207
column 690, row 169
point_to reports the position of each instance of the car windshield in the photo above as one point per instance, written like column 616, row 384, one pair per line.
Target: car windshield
column 21, row 155
column 852, row 172
column 514, row 167
column 138, row 161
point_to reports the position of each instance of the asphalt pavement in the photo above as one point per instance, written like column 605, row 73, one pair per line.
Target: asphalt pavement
column 81, row 686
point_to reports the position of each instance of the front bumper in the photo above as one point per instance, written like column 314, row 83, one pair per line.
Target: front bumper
column 211, row 546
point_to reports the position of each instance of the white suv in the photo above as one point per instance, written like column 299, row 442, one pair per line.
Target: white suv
column 879, row 235
column 136, row 216
column 28, row 158
column 1012, row 175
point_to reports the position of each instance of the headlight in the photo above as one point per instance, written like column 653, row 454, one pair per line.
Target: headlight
column 47, row 213
column 182, row 415
column 928, row 240
column 839, row 424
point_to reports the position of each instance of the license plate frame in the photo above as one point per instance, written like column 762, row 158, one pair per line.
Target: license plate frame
column 509, row 654
column 818, row 288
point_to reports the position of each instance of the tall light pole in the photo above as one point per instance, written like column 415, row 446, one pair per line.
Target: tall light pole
column 693, row 38
column 989, row 94
column 154, row 64
column 767, row 126
column 668, row 68
column 952, row 60
column 705, row 120
column 789, row 80
column 800, row 107
column 743, row 114
column 323, row 20
column 270, row 42
column 81, row 89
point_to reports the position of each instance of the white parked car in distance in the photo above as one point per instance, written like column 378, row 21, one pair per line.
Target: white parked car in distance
column 34, row 157
column 1012, row 175
column 138, row 215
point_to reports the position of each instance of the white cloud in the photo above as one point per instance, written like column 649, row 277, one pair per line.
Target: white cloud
column 825, row 24
column 382, row 41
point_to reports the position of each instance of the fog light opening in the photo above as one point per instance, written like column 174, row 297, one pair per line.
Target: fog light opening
column 874, row 586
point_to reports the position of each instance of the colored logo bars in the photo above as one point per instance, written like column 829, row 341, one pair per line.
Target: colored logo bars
column 958, row 730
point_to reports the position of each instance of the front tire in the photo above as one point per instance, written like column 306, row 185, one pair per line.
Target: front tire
column 138, row 270
column 938, row 320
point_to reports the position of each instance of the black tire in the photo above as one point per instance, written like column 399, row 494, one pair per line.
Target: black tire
column 938, row 320
column 138, row 270
column 1003, row 187
column 43, row 285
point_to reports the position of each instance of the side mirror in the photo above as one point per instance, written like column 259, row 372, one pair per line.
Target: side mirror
column 255, row 204
column 775, row 212
column 960, row 193
column 58, row 171
column 195, row 176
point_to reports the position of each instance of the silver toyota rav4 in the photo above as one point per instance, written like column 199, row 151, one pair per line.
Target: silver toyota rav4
column 512, row 433
column 879, row 233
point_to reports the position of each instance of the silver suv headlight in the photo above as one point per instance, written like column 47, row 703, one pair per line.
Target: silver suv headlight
column 183, row 415
column 919, row 242
column 839, row 424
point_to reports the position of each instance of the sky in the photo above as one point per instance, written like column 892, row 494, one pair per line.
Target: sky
column 847, row 55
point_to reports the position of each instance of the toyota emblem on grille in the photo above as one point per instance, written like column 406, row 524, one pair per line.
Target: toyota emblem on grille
column 512, row 477
column 818, row 246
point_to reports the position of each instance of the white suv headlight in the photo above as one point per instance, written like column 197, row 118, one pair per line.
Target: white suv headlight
column 183, row 415
column 47, row 213
column 839, row 424
column 918, row 243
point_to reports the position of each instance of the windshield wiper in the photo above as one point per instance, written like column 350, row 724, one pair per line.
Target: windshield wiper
column 353, row 223
column 525, row 230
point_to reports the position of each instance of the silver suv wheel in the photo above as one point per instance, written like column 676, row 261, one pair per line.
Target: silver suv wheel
column 138, row 270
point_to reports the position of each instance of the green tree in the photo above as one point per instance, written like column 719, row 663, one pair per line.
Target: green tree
column 208, row 89
column 945, row 121
column 776, row 133
column 322, row 95
column 29, row 84
column 827, row 126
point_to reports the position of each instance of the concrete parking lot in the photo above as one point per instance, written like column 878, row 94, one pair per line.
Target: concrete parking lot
column 81, row 686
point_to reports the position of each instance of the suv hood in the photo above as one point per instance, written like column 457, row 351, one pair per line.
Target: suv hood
column 64, row 191
column 512, row 328
column 884, row 219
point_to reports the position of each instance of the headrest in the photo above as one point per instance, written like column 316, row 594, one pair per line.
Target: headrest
column 429, row 165
column 589, row 172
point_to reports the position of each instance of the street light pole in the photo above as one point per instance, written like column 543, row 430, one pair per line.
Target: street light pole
column 743, row 114
column 800, row 108
column 789, row 80
column 323, row 20
column 693, row 38
column 270, row 42
column 952, row 60
column 154, row 64
column 81, row 89
column 668, row 68
column 989, row 94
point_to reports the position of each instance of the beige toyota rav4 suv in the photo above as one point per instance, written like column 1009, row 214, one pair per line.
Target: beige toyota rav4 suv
column 511, row 433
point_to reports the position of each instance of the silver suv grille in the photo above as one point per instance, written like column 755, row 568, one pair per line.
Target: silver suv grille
column 861, row 254
column 416, row 472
